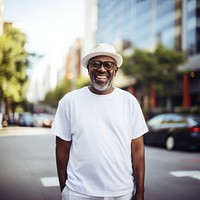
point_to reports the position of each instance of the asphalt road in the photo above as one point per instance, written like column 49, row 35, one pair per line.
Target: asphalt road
column 172, row 175
column 28, row 170
column 27, row 156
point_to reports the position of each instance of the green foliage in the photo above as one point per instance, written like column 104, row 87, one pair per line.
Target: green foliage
column 158, row 67
column 82, row 81
column 13, row 64
column 52, row 97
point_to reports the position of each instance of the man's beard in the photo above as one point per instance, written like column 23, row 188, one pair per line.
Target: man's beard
column 101, row 87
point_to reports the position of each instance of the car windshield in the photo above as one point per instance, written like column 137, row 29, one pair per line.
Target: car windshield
column 156, row 121
column 174, row 119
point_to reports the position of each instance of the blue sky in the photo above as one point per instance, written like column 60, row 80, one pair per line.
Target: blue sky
column 50, row 25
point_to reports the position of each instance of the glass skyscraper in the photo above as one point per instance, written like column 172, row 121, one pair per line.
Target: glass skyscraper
column 142, row 22
column 145, row 23
column 193, row 26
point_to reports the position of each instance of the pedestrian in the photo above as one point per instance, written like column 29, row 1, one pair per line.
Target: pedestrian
column 99, row 135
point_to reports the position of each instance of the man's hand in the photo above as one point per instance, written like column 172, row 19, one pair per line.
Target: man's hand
column 138, row 197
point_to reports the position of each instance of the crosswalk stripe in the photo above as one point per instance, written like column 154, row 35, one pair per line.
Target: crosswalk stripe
column 192, row 174
column 50, row 181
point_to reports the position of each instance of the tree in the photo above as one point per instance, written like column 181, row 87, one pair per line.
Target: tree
column 157, row 69
column 52, row 97
column 13, row 65
column 65, row 86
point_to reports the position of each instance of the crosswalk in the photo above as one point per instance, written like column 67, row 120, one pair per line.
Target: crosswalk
column 23, row 131
column 191, row 174
column 53, row 181
column 50, row 181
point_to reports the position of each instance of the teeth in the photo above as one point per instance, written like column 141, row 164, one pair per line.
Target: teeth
column 103, row 77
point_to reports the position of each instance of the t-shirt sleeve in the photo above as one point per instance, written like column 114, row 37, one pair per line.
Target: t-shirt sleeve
column 139, row 126
column 61, row 123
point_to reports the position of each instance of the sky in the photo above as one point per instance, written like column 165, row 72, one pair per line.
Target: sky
column 51, row 26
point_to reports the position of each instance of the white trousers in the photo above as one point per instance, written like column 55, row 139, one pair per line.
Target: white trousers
column 68, row 194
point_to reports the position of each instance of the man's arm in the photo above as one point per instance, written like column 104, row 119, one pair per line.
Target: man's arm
column 138, row 163
column 62, row 157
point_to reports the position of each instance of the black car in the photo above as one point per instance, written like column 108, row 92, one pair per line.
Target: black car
column 173, row 130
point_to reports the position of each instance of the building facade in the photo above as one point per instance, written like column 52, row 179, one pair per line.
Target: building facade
column 46, row 75
column 73, row 65
column 1, row 17
column 145, row 23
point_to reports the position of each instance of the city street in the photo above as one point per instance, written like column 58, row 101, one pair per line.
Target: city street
column 173, row 175
column 27, row 157
column 28, row 170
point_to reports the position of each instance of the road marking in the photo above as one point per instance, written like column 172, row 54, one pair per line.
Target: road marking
column 50, row 181
column 192, row 174
column 23, row 131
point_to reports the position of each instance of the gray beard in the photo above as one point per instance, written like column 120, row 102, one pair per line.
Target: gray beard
column 100, row 87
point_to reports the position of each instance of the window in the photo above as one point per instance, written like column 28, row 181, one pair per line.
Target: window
column 156, row 121
column 174, row 119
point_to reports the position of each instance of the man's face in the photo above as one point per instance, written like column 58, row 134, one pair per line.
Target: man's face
column 102, row 70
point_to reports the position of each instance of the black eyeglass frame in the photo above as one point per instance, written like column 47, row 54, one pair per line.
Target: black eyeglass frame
column 100, row 63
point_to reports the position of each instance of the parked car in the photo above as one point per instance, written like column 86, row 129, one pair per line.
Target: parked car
column 43, row 120
column 48, row 120
column 173, row 130
column 25, row 119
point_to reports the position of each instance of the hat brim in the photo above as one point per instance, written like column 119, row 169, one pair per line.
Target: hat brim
column 116, row 56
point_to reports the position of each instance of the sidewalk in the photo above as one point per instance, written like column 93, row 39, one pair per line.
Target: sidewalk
column 18, row 130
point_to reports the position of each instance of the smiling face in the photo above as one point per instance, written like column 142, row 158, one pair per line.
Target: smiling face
column 102, row 70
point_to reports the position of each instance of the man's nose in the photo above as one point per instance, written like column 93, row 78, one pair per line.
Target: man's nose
column 102, row 68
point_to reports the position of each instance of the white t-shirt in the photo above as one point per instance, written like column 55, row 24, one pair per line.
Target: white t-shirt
column 101, row 128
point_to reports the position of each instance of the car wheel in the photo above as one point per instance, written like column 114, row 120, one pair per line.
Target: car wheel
column 170, row 143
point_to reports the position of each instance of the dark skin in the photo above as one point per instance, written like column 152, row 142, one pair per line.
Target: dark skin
column 138, row 160
column 62, row 158
column 137, row 145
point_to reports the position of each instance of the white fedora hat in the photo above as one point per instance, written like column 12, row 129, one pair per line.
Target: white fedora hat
column 102, row 49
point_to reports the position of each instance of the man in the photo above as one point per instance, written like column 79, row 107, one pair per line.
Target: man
column 99, row 128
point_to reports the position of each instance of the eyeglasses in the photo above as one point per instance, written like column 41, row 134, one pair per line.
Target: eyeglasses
column 108, row 65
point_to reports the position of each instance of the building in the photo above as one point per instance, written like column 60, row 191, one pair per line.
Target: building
column 145, row 23
column 73, row 64
column 1, row 17
column 45, row 77
column 90, row 30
